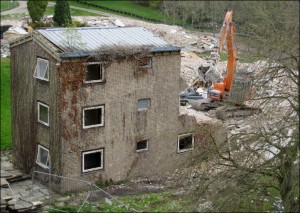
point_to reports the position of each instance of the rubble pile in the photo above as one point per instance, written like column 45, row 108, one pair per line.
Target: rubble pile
column 206, row 42
column 8, row 204
column 16, row 191
column 188, row 68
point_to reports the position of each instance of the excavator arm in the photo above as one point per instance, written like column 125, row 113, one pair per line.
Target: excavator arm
column 228, row 34
column 224, row 30
column 232, row 56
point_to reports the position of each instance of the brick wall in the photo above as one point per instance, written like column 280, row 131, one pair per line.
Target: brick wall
column 124, row 125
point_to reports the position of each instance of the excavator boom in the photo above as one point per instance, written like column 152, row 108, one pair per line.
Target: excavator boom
column 228, row 34
column 224, row 30
column 232, row 56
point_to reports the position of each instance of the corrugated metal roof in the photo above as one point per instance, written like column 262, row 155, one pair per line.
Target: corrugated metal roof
column 92, row 38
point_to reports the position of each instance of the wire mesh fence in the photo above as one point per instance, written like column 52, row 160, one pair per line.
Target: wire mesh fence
column 74, row 195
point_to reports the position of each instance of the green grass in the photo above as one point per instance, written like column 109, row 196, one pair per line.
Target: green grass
column 7, row 5
column 244, row 57
column 128, row 6
column 148, row 202
column 6, row 142
column 74, row 12
column 14, row 16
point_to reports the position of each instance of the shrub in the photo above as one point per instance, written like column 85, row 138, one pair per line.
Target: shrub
column 36, row 9
column 40, row 24
column 62, row 15
column 78, row 24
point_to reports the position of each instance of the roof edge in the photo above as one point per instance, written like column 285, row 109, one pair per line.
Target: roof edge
column 83, row 54
column 166, row 49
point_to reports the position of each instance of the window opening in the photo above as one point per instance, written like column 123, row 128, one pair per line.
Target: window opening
column 185, row 142
column 42, row 69
column 94, row 73
column 43, row 113
column 43, row 157
column 145, row 62
column 142, row 145
column 92, row 160
column 93, row 117
column 143, row 104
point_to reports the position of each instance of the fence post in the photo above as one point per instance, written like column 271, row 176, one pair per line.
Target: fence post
column 90, row 202
column 32, row 183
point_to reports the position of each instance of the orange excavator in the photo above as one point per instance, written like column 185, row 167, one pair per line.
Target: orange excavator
column 235, row 88
column 219, row 89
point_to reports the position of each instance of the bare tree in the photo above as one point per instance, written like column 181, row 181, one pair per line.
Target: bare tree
column 262, row 151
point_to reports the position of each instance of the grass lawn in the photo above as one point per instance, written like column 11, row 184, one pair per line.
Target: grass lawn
column 5, row 105
column 7, row 5
column 147, row 202
column 128, row 6
column 74, row 12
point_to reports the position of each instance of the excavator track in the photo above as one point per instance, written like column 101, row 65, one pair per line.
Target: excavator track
column 230, row 111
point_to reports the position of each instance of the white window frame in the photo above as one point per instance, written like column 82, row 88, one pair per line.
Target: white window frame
column 92, row 126
column 189, row 149
column 47, row 70
column 141, row 150
column 101, row 70
column 89, row 152
column 148, row 65
column 38, row 157
column 42, row 122
column 144, row 109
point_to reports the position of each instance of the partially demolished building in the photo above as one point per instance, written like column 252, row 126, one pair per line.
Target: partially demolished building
column 101, row 103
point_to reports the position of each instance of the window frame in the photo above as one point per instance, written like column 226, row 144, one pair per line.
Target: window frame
column 148, row 65
column 143, row 109
column 101, row 160
column 101, row 70
column 142, row 150
column 47, row 106
column 188, row 149
column 38, row 155
column 35, row 71
column 102, row 117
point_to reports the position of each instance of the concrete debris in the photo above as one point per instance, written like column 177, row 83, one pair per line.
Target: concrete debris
column 200, row 116
column 119, row 23
column 16, row 30
column 21, row 206
column 189, row 66
column 16, row 189
column 205, row 42
column 4, row 183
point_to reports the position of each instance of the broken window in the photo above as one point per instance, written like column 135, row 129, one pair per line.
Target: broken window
column 142, row 145
column 42, row 69
column 92, row 160
column 94, row 73
column 43, row 113
column 143, row 104
column 43, row 157
column 145, row 62
column 185, row 142
column 93, row 117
